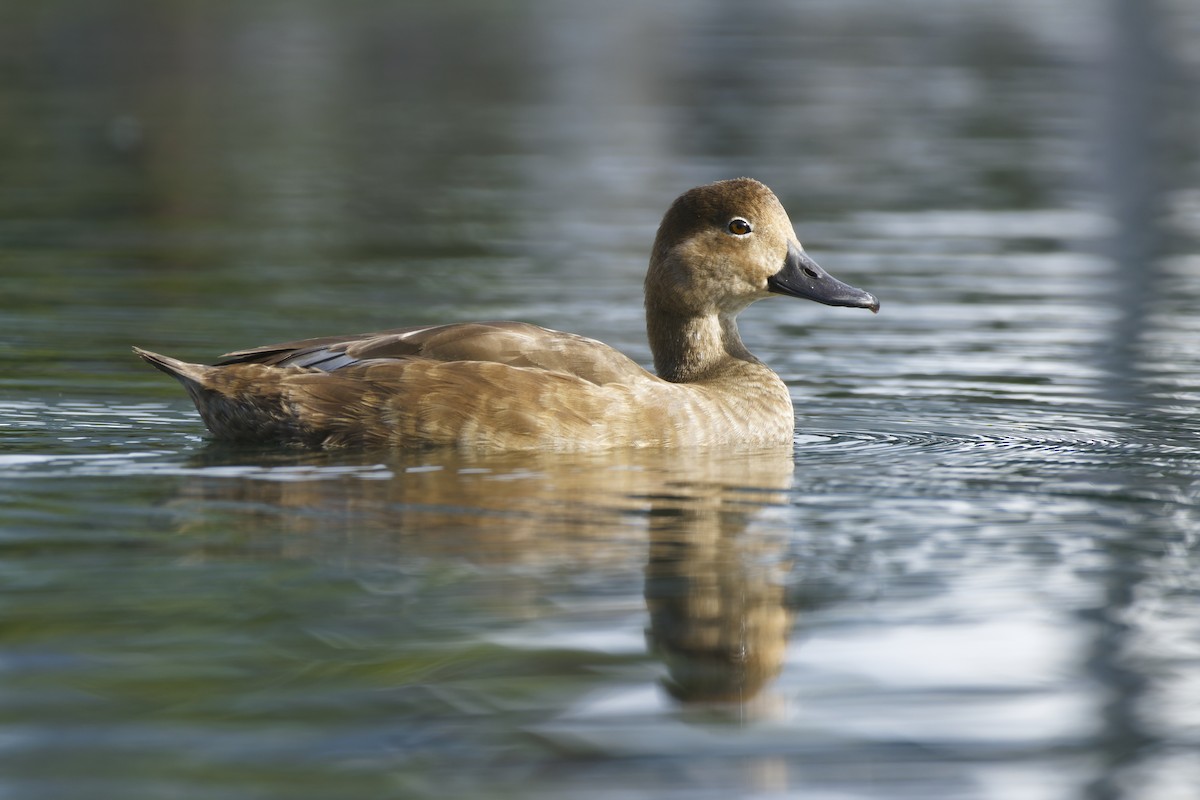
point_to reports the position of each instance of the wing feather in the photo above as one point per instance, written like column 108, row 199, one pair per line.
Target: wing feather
column 516, row 344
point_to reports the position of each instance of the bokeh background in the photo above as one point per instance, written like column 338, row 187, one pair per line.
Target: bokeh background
column 246, row 158
column 973, row 576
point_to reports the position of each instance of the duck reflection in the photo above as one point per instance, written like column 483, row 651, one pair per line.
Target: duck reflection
column 718, row 619
column 697, row 522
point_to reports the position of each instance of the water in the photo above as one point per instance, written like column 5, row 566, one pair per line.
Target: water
column 973, row 575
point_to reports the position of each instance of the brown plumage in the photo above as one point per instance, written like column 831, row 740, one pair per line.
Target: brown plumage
column 511, row 385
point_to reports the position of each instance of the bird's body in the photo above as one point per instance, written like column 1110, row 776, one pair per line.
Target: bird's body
column 515, row 386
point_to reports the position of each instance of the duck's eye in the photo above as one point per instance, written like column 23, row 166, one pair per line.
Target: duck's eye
column 739, row 227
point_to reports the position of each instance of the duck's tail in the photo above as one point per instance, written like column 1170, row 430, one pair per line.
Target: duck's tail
column 196, row 378
column 190, row 375
column 241, row 403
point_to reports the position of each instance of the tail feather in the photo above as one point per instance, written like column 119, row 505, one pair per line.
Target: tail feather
column 190, row 375
column 238, row 403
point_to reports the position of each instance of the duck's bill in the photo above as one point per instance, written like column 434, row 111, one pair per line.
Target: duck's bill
column 803, row 277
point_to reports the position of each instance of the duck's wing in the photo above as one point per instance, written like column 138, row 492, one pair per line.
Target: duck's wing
column 516, row 344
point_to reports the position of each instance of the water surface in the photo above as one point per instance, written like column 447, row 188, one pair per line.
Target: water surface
column 974, row 574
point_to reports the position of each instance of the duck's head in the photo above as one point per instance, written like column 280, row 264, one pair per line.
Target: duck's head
column 722, row 246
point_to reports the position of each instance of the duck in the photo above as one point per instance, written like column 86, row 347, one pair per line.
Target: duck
column 505, row 385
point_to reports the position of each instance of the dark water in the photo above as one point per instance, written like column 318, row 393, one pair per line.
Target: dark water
column 975, row 575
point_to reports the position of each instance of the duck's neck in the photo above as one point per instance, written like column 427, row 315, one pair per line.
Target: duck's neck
column 694, row 348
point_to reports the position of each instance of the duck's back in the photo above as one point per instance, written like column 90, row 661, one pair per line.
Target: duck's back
column 487, row 385
column 516, row 344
